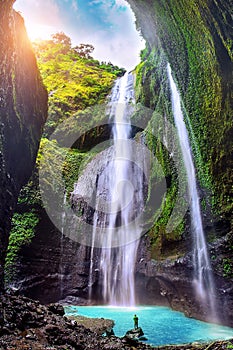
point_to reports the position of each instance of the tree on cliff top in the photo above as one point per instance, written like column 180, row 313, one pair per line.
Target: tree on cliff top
column 74, row 79
column 84, row 50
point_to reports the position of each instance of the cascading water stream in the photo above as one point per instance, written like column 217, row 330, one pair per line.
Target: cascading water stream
column 203, row 279
column 61, row 270
column 123, row 183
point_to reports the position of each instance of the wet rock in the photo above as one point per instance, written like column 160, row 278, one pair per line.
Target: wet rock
column 59, row 332
column 56, row 309
column 135, row 333
column 109, row 332
column 169, row 282
column 35, row 326
column 97, row 325
column 143, row 338
column 23, row 110
column 45, row 280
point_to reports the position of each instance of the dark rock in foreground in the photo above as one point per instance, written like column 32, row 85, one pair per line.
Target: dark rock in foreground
column 134, row 333
column 26, row 324
column 97, row 325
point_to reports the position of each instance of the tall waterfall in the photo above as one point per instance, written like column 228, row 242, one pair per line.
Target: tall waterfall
column 203, row 279
column 122, row 183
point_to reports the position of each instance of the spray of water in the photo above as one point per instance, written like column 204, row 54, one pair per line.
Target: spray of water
column 122, row 180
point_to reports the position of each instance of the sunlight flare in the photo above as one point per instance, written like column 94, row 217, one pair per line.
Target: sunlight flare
column 37, row 31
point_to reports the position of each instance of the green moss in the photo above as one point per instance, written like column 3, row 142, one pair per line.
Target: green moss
column 191, row 48
column 152, row 91
column 22, row 232
column 73, row 83
column 196, row 40
column 59, row 169
column 227, row 267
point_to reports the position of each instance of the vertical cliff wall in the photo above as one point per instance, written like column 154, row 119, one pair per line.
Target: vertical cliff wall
column 23, row 110
column 197, row 39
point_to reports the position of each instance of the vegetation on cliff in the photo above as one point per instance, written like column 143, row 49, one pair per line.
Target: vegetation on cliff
column 23, row 111
column 195, row 38
column 152, row 91
column 75, row 81
column 190, row 35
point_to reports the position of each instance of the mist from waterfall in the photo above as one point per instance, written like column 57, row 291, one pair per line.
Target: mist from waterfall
column 203, row 279
column 121, row 183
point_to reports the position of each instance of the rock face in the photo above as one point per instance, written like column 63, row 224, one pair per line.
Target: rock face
column 194, row 37
column 53, row 267
column 23, row 109
column 169, row 282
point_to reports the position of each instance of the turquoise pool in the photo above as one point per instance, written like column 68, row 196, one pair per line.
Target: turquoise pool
column 161, row 325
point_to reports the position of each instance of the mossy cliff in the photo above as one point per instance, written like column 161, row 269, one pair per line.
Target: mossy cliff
column 77, row 87
column 195, row 37
column 23, row 110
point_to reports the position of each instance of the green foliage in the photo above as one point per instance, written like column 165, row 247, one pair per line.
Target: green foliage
column 200, row 55
column 84, row 50
column 73, row 83
column 227, row 267
column 59, row 169
column 30, row 194
column 22, row 232
column 73, row 79
column 109, row 67
column 153, row 94
column 229, row 345
column 226, row 263
column 85, row 127
column 61, row 38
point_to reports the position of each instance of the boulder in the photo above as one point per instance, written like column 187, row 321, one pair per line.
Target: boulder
column 56, row 309
column 134, row 333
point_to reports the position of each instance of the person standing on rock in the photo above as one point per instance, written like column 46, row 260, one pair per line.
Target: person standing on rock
column 135, row 319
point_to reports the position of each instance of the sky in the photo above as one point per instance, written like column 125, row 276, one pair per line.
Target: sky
column 109, row 25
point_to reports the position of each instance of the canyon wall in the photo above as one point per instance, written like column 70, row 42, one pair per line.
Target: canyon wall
column 23, row 110
column 195, row 37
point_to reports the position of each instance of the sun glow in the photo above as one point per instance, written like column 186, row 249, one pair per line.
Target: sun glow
column 41, row 18
column 37, row 31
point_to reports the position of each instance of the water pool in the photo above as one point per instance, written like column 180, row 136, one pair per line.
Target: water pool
column 161, row 325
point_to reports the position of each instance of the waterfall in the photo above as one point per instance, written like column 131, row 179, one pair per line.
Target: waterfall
column 63, row 223
column 203, row 279
column 122, row 184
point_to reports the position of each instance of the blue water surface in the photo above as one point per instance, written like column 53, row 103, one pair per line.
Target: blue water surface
column 161, row 325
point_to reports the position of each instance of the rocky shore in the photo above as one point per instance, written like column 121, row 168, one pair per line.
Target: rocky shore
column 26, row 324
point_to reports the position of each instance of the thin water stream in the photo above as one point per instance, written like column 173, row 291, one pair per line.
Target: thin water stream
column 203, row 279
